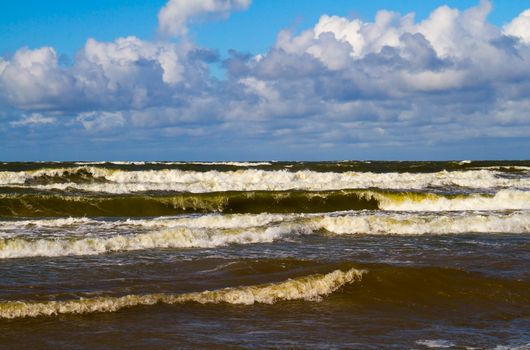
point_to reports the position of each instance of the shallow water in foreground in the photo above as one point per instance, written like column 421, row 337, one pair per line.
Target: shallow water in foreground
column 361, row 255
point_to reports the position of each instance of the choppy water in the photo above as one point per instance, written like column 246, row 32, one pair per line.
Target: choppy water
column 362, row 255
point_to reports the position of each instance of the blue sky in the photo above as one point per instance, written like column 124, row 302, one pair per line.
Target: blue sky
column 241, row 79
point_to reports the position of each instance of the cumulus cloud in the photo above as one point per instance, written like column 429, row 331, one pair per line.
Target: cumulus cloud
column 33, row 79
column 125, row 57
column 519, row 27
column 125, row 73
column 394, row 57
column 344, row 82
column 173, row 17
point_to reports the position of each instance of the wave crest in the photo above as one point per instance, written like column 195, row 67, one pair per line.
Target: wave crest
column 311, row 288
column 209, row 231
column 40, row 205
column 177, row 237
column 98, row 179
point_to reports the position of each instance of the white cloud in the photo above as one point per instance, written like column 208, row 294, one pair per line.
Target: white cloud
column 364, row 37
column 343, row 30
column 125, row 73
column 463, row 40
column 125, row 57
column 32, row 78
column 520, row 27
column 450, row 32
column 173, row 17
column 33, row 119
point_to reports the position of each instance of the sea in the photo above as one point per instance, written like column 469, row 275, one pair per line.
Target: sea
column 265, row 255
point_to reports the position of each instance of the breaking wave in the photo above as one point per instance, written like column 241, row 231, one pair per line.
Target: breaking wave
column 410, row 201
column 90, row 237
column 52, row 205
column 117, row 181
column 311, row 288
column 238, row 164
column 57, row 205
column 178, row 237
column 376, row 285
column 411, row 224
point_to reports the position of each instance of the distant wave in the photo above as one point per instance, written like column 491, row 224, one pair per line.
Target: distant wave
column 98, row 179
column 311, row 288
column 239, row 164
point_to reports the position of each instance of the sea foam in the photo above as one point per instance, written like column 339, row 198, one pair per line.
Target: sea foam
column 120, row 181
column 311, row 288
column 210, row 231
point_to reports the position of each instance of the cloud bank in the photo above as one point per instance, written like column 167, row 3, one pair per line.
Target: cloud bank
column 342, row 85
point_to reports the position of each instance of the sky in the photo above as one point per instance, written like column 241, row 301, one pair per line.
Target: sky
column 264, row 79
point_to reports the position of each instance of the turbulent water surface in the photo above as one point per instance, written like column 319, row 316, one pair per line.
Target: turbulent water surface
column 360, row 255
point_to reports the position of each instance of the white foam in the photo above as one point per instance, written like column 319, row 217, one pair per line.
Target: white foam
column 411, row 224
column 90, row 236
column 502, row 200
column 210, row 221
column 237, row 164
column 513, row 347
column 119, row 181
column 436, row 343
column 51, row 223
column 240, row 164
column 178, row 237
column 218, row 221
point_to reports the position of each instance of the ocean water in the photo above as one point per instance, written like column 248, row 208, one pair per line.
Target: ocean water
column 236, row 255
